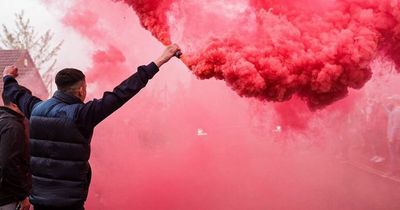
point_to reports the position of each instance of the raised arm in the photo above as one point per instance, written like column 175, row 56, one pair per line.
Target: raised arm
column 18, row 95
column 93, row 112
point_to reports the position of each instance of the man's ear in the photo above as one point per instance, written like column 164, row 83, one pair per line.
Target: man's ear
column 14, row 106
column 82, row 92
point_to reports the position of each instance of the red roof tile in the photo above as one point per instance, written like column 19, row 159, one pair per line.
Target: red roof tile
column 9, row 57
column 28, row 76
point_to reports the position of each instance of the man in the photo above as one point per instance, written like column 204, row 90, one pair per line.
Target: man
column 61, row 129
column 15, row 177
column 393, row 135
column 373, row 113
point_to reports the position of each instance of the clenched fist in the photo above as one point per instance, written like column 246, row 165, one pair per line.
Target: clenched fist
column 169, row 52
column 10, row 71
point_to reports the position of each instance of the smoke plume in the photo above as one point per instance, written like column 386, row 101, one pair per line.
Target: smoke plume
column 272, row 50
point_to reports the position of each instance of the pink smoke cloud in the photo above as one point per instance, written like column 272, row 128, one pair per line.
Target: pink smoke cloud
column 84, row 21
column 108, row 67
column 148, row 154
column 152, row 17
column 272, row 50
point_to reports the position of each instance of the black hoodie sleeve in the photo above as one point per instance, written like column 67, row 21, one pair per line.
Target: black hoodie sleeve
column 93, row 112
column 20, row 96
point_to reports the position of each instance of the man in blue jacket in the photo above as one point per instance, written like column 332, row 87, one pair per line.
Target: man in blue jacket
column 61, row 129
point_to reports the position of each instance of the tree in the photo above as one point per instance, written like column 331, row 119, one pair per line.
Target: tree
column 39, row 46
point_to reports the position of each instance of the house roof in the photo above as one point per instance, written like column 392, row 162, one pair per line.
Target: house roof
column 9, row 57
column 28, row 76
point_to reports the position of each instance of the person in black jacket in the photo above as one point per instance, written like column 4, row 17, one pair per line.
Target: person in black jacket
column 15, row 177
column 61, row 129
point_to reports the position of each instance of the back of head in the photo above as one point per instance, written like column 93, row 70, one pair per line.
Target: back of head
column 68, row 78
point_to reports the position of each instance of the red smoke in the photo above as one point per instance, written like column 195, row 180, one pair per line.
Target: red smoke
column 108, row 67
column 152, row 16
column 85, row 22
column 148, row 154
column 272, row 50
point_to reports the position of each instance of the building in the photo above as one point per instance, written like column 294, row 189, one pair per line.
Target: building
column 28, row 74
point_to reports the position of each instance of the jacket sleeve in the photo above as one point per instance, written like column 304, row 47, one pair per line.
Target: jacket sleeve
column 13, row 180
column 20, row 96
column 93, row 112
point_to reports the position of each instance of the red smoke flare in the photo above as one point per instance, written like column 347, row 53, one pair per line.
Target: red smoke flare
column 152, row 17
column 272, row 50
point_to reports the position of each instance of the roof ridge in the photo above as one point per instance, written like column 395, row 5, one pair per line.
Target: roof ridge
column 15, row 50
column 10, row 57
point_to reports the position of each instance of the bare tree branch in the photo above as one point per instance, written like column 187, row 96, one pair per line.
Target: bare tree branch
column 25, row 37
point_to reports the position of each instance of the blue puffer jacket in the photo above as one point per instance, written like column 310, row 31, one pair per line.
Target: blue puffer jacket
column 59, row 155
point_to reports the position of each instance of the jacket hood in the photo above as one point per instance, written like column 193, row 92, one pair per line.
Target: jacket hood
column 66, row 98
column 6, row 112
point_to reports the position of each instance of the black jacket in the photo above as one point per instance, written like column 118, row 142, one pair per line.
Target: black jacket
column 61, row 131
column 15, row 177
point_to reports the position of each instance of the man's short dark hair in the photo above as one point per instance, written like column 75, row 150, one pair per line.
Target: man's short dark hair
column 68, row 77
